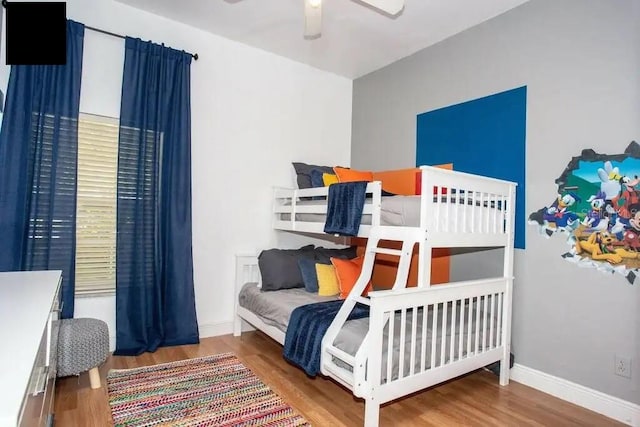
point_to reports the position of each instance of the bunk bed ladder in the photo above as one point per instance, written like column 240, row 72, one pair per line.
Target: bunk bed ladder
column 409, row 237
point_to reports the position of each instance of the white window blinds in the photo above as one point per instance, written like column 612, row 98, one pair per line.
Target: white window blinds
column 96, row 204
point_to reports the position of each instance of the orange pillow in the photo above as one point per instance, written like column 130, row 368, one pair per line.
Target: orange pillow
column 348, row 271
column 351, row 175
column 448, row 166
column 397, row 181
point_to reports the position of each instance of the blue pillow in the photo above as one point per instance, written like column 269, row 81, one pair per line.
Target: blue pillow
column 309, row 275
column 303, row 173
column 316, row 178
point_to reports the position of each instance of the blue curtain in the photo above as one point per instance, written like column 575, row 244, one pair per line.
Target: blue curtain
column 38, row 157
column 155, row 303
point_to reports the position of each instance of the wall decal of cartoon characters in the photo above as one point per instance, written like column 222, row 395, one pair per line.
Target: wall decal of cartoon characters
column 597, row 208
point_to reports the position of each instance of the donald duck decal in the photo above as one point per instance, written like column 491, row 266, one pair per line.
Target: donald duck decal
column 597, row 208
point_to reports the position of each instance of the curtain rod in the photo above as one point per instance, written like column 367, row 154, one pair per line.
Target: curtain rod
column 109, row 33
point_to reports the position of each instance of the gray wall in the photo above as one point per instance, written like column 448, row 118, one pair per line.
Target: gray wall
column 579, row 60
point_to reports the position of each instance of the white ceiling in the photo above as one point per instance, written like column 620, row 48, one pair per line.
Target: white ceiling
column 356, row 39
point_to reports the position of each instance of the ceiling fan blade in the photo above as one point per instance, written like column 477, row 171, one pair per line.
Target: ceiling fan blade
column 392, row 7
column 312, row 19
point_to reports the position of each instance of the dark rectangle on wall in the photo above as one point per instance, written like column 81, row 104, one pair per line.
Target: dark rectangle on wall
column 36, row 33
column 484, row 136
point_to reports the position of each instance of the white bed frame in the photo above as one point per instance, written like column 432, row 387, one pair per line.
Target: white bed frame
column 287, row 202
column 487, row 336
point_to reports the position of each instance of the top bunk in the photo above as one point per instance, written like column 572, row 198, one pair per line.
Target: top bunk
column 454, row 209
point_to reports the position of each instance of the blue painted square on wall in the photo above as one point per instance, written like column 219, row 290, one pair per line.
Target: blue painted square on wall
column 484, row 136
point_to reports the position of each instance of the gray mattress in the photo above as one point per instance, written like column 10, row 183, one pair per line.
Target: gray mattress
column 404, row 211
column 275, row 308
column 395, row 210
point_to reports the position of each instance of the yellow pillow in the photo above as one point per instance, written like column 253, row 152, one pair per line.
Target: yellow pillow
column 329, row 178
column 327, row 280
column 350, row 175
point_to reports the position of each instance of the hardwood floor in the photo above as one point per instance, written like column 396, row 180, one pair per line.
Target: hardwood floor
column 473, row 400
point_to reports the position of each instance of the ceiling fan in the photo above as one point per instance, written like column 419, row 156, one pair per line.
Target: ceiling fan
column 313, row 13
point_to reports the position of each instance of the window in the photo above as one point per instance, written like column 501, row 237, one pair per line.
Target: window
column 49, row 240
column 96, row 204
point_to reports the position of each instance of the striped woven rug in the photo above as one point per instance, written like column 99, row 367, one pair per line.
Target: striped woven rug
column 214, row 390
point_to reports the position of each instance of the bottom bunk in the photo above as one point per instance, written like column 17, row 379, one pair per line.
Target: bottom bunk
column 417, row 337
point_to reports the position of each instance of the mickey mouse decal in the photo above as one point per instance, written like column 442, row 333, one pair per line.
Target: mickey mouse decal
column 597, row 208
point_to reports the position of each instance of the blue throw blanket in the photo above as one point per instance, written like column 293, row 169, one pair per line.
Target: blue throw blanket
column 307, row 326
column 345, row 202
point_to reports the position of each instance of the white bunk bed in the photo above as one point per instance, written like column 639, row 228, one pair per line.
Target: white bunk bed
column 447, row 330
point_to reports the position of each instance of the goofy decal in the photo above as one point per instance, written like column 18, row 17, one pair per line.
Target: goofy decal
column 597, row 208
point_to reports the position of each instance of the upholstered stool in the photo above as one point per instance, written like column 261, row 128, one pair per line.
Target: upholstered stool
column 83, row 345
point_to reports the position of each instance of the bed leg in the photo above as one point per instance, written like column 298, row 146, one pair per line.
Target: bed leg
column 505, row 364
column 371, row 413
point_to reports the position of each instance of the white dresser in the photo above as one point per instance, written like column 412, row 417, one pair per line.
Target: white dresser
column 28, row 339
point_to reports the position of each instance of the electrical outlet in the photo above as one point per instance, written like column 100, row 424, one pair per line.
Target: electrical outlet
column 622, row 366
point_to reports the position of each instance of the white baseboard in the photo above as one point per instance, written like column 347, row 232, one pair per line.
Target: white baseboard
column 206, row 330
column 216, row 329
column 609, row 406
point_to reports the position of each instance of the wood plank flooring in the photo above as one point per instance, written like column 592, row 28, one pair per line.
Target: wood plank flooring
column 473, row 400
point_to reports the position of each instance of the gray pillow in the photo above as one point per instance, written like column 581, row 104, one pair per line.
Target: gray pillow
column 279, row 267
column 303, row 173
